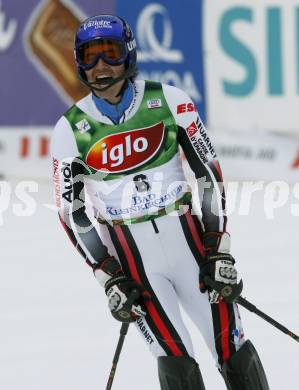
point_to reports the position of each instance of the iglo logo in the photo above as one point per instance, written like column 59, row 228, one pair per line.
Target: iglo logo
column 124, row 151
column 151, row 48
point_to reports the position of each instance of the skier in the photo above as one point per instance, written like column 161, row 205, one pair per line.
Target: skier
column 120, row 145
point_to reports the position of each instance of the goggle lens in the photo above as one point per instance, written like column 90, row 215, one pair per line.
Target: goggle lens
column 111, row 51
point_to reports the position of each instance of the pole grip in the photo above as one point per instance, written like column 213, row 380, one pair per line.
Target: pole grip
column 229, row 292
column 125, row 311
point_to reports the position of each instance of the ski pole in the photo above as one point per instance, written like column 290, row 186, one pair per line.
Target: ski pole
column 226, row 291
column 126, row 314
column 249, row 306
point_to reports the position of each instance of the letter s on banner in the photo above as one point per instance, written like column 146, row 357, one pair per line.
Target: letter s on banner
column 238, row 51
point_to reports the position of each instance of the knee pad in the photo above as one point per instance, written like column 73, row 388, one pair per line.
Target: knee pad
column 179, row 373
column 244, row 370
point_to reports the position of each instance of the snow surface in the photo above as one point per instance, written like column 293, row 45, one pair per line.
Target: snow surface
column 56, row 330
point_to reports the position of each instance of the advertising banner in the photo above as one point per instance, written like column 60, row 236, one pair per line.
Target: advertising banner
column 266, row 156
column 37, row 70
column 252, row 64
column 169, row 42
column 24, row 154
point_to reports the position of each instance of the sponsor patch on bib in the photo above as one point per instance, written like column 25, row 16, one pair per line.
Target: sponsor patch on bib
column 154, row 103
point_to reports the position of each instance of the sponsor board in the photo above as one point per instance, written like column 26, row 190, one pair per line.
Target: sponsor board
column 165, row 53
column 252, row 64
column 8, row 29
column 36, row 45
column 260, row 156
column 25, row 152
column 36, row 56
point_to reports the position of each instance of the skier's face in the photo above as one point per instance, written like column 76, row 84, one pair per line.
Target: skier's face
column 102, row 70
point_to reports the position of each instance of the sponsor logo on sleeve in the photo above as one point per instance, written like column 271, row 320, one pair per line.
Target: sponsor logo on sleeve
column 192, row 129
column 67, row 175
column 56, row 180
column 127, row 150
column 186, row 107
column 200, row 141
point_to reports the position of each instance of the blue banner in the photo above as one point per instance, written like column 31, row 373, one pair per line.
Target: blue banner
column 169, row 41
column 37, row 69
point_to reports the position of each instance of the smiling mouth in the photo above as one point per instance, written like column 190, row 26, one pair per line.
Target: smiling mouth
column 102, row 79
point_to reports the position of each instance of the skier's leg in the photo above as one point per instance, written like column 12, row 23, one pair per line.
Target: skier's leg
column 236, row 358
column 162, row 327
column 244, row 370
column 179, row 373
column 220, row 324
column 176, row 372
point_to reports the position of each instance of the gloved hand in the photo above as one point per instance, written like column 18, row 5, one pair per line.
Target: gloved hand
column 218, row 274
column 118, row 288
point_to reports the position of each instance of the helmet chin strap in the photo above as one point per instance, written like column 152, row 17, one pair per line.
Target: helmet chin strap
column 108, row 81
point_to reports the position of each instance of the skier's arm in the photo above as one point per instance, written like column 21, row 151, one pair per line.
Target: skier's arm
column 70, row 197
column 70, row 200
column 201, row 157
column 218, row 263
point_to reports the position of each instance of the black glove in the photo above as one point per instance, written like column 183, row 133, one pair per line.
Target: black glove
column 218, row 274
column 118, row 288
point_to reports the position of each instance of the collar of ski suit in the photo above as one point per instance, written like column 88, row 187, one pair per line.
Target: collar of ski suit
column 115, row 111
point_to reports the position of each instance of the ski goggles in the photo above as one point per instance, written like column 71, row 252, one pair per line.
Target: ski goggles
column 113, row 52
